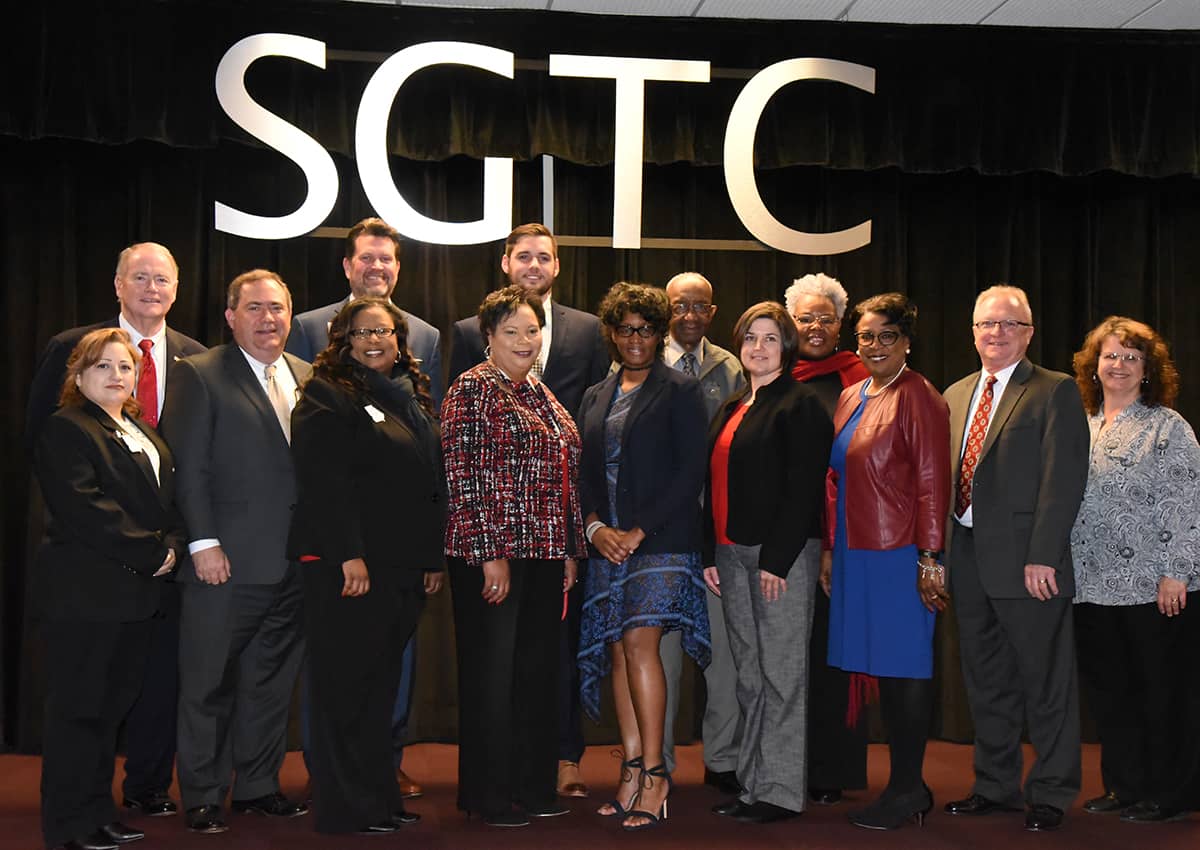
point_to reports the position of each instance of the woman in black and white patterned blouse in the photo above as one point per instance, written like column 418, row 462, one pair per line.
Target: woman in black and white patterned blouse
column 1136, row 550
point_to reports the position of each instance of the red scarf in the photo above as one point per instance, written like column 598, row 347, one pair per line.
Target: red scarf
column 845, row 363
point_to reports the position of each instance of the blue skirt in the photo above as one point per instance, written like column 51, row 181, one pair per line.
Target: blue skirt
column 646, row 590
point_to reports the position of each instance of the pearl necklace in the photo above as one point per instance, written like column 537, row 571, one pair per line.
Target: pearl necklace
column 891, row 381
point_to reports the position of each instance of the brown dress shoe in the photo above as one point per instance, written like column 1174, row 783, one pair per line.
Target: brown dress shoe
column 570, row 781
column 408, row 788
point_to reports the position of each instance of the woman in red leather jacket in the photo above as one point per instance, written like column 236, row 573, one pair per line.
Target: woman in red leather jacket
column 889, row 498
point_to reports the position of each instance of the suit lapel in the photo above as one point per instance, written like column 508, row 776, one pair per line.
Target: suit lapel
column 1008, row 401
column 958, row 426
column 558, row 338
column 245, row 380
column 138, row 459
column 653, row 385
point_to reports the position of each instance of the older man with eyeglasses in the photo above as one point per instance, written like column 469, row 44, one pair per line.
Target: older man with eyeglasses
column 1019, row 458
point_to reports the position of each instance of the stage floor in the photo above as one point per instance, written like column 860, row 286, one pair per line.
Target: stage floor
column 947, row 770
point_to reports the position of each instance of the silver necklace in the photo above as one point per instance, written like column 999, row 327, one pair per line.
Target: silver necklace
column 891, row 381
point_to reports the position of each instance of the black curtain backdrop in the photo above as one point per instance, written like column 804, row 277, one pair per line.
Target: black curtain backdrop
column 1062, row 161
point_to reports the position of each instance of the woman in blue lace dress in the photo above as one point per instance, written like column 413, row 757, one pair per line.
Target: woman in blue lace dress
column 643, row 465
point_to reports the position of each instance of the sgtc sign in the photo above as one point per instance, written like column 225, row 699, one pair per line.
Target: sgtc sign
column 630, row 76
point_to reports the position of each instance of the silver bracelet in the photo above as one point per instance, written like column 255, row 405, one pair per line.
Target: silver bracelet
column 592, row 527
column 932, row 570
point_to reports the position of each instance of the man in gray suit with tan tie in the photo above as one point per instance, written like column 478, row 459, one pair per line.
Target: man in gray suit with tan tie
column 1019, row 443
column 227, row 420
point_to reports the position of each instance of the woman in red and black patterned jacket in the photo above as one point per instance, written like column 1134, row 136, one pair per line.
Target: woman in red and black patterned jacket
column 513, row 533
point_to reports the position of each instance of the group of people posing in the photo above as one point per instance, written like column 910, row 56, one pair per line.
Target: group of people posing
column 605, row 493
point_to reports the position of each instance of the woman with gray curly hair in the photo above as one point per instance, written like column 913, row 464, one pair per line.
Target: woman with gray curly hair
column 837, row 734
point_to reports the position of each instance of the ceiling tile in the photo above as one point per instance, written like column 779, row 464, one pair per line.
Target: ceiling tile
column 676, row 8
column 921, row 11
column 1066, row 13
column 1169, row 15
column 776, row 10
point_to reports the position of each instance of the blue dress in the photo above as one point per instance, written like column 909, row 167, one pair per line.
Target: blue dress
column 877, row 624
column 665, row 590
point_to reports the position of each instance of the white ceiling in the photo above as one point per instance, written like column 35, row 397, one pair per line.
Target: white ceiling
column 1097, row 14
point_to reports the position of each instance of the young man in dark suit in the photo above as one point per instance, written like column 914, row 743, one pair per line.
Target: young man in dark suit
column 1019, row 458
column 228, row 422
column 146, row 283
column 573, row 357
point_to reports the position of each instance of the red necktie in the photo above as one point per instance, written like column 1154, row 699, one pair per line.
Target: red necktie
column 147, row 386
column 975, row 437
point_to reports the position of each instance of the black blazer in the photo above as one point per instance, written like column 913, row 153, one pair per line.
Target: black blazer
column 52, row 369
column 662, row 459
column 366, row 489
column 578, row 355
column 111, row 522
column 777, row 464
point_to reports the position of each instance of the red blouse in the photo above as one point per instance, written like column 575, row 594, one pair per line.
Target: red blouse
column 719, row 470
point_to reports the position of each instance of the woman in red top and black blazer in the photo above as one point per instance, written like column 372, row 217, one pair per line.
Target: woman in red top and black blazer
column 108, row 480
column 769, row 450
column 514, row 532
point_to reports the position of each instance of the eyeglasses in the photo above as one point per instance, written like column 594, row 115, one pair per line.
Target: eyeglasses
column 626, row 331
column 363, row 333
column 682, row 309
column 884, row 338
column 1005, row 325
column 1113, row 357
column 823, row 319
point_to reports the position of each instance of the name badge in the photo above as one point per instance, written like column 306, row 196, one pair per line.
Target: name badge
column 374, row 412
column 132, row 444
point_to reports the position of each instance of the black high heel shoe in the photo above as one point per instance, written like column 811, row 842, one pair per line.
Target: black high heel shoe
column 627, row 769
column 659, row 771
column 893, row 813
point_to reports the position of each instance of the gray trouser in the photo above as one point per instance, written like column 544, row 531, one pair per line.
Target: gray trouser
column 769, row 641
column 722, row 728
column 670, row 649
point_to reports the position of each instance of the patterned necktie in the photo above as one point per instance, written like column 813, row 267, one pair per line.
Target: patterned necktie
column 975, row 437
column 147, row 385
column 282, row 412
column 689, row 364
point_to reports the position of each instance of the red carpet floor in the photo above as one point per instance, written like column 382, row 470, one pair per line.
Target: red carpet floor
column 947, row 769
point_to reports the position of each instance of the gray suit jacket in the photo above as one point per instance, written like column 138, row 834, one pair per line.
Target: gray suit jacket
column 720, row 377
column 234, row 476
column 1030, row 478
column 310, row 335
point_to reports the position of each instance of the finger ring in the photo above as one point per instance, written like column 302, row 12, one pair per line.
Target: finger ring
column 495, row 587
column 1042, row 580
column 1174, row 601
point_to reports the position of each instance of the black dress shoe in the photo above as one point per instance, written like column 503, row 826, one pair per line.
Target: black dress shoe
column 730, row 808
column 1106, row 804
column 1150, row 812
column 206, row 819
column 386, row 827
column 725, row 781
column 825, row 796
column 977, row 804
column 155, row 804
column 1040, row 817
column 121, row 833
column 510, row 820
column 550, row 810
column 273, row 805
column 764, row 812
column 96, row 841
column 403, row 817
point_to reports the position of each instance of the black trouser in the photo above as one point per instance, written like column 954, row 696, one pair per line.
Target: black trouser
column 507, row 686
column 355, row 649
column 837, row 755
column 570, row 725
column 150, row 726
column 93, row 673
column 1136, row 667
